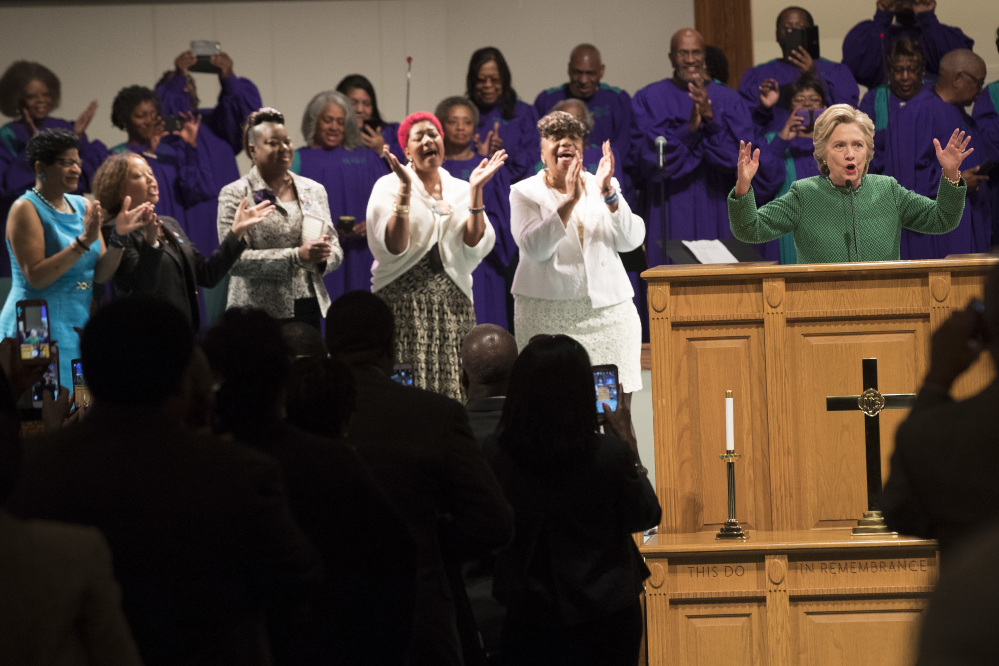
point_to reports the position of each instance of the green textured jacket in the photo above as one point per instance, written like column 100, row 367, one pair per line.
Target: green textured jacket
column 819, row 215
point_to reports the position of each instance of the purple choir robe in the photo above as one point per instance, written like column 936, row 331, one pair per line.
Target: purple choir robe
column 611, row 109
column 700, row 166
column 390, row 133
column 519, row 134
column 869, row 42
column 986, row 117
column 490, row 282
column 348, row 176
column 910, row 157
column 881, row 107
column 220, row 139
column 17, row 176
column 841, row 88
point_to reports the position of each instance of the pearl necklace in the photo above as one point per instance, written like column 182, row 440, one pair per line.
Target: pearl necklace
column 46, row 201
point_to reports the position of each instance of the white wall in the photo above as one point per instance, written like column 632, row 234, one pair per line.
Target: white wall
column 292, row 50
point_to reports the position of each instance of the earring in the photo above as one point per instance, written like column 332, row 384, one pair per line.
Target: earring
column 41, row 177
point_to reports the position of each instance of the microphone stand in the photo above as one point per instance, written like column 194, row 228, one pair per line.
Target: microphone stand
column 665, row 229
column 853, row 215
column 409, row 78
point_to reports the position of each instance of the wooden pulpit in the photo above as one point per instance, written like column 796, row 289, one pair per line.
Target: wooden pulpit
column 783, row 339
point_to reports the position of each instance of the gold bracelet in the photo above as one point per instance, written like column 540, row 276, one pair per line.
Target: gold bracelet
column 400, row 210
column 955, row 183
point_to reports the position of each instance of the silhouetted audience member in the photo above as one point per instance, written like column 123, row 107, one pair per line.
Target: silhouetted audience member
column 487, row 356
column 200, row 529
column 363, row 612
column 320, row 396
column 958, row 626
column 943, row 469
column 419, row 446
column 572, row 576
column 302, row 340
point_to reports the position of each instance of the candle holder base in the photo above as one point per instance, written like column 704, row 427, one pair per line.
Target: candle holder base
column 872, row 524
column 731, row 530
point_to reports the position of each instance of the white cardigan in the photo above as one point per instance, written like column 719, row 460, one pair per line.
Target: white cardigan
column 550, row 253
column 425, row 229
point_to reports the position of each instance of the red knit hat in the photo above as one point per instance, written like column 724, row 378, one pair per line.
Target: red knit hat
column 410, row 120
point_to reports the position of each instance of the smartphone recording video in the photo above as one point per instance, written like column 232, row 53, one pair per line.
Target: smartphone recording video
column 33, row 331
column 402, row 373
column 81, row 392
column 605, row 383
column 49, row 382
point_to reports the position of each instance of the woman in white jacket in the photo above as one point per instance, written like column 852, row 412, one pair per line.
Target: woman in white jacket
column 570, row 226
column 428, row 231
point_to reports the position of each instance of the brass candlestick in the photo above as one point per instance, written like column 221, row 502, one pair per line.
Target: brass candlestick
column 731, row 529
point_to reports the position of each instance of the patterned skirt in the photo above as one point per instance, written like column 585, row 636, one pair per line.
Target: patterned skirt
column 432, row 317
column 611, row 334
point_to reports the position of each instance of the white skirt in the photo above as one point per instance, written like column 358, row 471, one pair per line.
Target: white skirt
column 612, row 334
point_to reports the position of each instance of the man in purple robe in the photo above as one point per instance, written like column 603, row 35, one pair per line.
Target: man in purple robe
column 702, row 122
column 868, row 43
column 910, row 156
column 839, row 84
column 611, row 107
column 986, row 117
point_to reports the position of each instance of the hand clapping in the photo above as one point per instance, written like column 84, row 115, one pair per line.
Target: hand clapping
column 487, row 167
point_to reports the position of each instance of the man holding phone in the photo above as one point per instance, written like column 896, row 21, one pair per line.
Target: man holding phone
column 797, row 35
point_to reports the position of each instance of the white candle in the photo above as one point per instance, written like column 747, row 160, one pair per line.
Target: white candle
column 729, row 423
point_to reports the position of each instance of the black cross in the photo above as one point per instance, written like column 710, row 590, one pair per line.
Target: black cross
column 871, row 402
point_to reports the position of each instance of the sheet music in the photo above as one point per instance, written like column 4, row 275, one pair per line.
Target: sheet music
column 312, row 227
column 710, row 252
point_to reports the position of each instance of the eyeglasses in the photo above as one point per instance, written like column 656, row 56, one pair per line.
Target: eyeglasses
column 979, row 83
column 67, row 163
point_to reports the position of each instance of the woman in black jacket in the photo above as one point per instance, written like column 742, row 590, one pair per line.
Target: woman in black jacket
column 572, row 576
column 159, row 259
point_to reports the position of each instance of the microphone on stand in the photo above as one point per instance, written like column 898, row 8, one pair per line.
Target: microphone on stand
column 853, row 214
column 409, row 77
column 661, row 148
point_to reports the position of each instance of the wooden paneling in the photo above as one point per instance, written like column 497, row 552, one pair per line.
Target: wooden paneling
column 728, row 24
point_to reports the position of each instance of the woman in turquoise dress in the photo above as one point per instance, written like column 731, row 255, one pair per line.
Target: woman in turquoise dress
column 55, row 244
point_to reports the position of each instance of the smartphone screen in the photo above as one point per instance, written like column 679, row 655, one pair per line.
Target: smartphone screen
column 605, row 383
column 81, row 392
column 403, row 374
column 33, row 331
column 48, row 382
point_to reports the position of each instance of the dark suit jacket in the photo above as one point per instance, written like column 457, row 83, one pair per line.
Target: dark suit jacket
column 363, row 613
column 483, row 416
column 173, row 272
column 572, row 558
column 60, row 601
column 200, row 529
column 944, row 467
column 419, row 446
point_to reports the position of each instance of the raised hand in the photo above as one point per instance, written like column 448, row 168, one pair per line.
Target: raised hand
column 574, row 179
column 953, row 154
column 748, row 164
column 372, row 138
column 157, row 135
column 80, row 126
column 886, row 5
column 769, row 93
column 246, row 217
column 397, row 168
column 605, row 169
column 185, row 61
column 802, row 59
column 129, row 220
column 487, row 167
column 224, row 63
column 189, row 132
column 492, row 142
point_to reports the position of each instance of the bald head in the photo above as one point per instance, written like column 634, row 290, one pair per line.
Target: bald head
column 962, row 74
column 687, row 55
column 585, row 71
column 487, row 356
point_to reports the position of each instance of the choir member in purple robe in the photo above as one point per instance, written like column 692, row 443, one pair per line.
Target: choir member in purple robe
column 787, row 153
column 701, row 122
column 336, row 158
column 375, row 132
column 29, row 92
column 910, row 156
column 986, row 117
column 184, row 179
column 884, row 103
column 504, row 121
column 490, row 284
column 220, row 137
column 839, row 84
column 610, row 107
column 868, row 42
